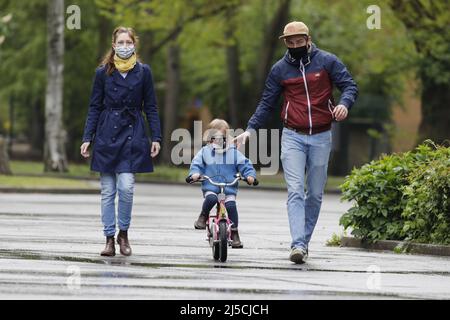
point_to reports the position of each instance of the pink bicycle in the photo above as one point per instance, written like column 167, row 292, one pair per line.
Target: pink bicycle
column 218, row 225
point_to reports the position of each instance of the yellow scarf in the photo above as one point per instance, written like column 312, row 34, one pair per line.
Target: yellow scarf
column 125, row 65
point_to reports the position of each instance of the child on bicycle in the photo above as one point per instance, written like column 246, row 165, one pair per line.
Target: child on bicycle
column 220, row 160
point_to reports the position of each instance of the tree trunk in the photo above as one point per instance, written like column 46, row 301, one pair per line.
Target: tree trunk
column 270, row 45
column 435, row 124
column 37, row 135
column 4, row 160
column 104, row 36
column 171, row 98
column 234, row 76
column 55, row 158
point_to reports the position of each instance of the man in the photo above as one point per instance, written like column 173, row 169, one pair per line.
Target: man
column 305, row 76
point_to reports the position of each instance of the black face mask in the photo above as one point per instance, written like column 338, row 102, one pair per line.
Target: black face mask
column 299, row 52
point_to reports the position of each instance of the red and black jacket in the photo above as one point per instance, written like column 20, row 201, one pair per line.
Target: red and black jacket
column 307, row 87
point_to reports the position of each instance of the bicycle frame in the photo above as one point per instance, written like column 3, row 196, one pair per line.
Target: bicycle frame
column 218, row 225
column 221, row 213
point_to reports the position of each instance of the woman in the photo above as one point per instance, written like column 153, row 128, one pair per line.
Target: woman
column 122, row 89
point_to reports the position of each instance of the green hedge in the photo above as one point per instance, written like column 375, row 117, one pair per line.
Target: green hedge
column 401, row 197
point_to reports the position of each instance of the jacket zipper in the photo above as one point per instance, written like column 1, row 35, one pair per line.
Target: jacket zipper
column 302, row 70
column 286, row 114
column 329, row 108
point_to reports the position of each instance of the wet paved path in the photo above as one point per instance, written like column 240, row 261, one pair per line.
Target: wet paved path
column 46, row 241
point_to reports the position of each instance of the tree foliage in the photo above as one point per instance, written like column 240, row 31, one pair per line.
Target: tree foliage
column 204, row 31
column 427, row 23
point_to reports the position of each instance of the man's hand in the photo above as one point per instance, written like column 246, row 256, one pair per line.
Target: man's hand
column 250, row 180
column 84, row 149
column 241, row 139
column 155, row 149
column 195, row 176
column 340, row 112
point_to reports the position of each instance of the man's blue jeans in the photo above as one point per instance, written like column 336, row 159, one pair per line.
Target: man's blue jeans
column 113, row 183
column 302, row 154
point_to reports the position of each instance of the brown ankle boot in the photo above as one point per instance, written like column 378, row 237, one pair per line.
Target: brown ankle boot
column 122, row 240
column 200, row 223
column 235, row 240
column 110, row 249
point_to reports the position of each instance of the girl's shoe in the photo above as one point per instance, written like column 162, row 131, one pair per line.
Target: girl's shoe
column 235, row 240
column 201, row 221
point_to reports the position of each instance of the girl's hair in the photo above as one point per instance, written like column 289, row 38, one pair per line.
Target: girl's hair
column 215, row 126
column 108, row 59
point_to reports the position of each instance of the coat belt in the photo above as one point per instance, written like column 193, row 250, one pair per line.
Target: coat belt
column 126, row 114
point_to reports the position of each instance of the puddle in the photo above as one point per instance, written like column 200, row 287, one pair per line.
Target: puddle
column 123, row 261
column 294, row 294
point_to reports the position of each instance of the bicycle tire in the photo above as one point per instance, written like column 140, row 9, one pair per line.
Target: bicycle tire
column 216, row 251
column 214, row 245
column 223, row 241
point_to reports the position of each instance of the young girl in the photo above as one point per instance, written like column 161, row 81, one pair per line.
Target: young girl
column 122, row 89
column 220, row 161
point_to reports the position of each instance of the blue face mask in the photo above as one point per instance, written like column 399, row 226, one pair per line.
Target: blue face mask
column 124, row 52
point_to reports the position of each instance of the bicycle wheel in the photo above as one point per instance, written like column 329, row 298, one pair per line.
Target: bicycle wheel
column 216, row 251
column 223, row 241
column 214, row 245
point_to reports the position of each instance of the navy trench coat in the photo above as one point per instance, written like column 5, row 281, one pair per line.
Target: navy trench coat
column 115, row 122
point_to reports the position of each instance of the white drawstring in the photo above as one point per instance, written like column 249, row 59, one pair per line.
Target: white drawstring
column 286, row 115
column 302, row 69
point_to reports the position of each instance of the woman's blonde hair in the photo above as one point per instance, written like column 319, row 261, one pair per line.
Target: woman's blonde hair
column 108, row 60
column 215, row 126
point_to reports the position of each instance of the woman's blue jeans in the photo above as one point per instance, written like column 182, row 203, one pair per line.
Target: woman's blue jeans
column 123, row 185
column 304, row 156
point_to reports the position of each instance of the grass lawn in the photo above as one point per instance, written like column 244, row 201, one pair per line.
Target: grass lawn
column 31, row 175
column 33, row 182
column 37, row 168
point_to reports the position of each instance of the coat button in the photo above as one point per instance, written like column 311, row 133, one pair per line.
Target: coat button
column 113, row 139
column 115, row 127
column 131, row 126
column 116, row 113
column 115, row 89
column 129, row 138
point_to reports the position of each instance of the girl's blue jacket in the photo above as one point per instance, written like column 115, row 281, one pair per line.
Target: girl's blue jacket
column 221, row 167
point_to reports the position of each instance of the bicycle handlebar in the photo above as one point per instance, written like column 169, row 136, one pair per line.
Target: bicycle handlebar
column 221, row 184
